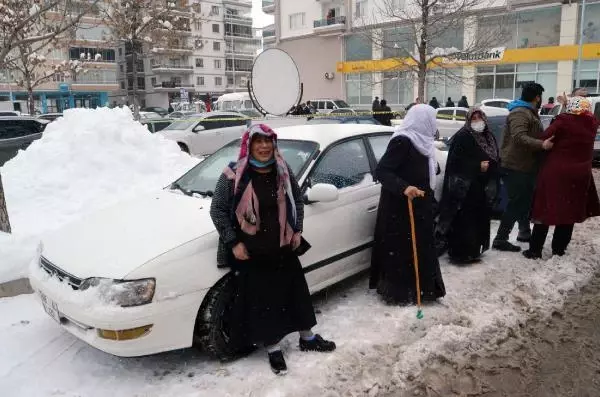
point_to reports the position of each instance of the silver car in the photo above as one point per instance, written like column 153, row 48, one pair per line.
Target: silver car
column 17, row 133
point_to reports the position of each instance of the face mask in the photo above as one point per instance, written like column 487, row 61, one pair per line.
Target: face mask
column 478, row 126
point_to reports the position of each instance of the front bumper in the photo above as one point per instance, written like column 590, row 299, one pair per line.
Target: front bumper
column 172, row 319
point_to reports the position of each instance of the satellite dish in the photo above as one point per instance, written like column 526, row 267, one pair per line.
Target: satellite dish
column 274, row 85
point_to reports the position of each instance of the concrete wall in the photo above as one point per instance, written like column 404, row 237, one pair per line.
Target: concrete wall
column 324, row 53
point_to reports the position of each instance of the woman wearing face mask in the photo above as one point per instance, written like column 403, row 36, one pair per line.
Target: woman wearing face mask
column 258, row 211
column 471, row 185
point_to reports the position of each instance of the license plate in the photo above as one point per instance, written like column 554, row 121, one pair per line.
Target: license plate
column 50, row 307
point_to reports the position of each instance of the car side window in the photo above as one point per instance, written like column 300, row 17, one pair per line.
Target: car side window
column 344, row 165
column 320, row 105
column 329, row 105
column 379, row 145
column 212, row 123
column 461, row 115
column 10, row 129
column 445, row 114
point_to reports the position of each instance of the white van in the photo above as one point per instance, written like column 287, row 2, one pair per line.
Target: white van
column 327, row 105
column 234, row 102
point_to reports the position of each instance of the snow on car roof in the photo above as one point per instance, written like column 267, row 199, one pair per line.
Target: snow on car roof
column 326, row 134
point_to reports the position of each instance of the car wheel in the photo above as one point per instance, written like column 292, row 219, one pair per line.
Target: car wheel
column 215, row 331
column 184, row 147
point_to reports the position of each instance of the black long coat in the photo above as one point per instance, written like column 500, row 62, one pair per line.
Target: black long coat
column 392, row 268
column 468, row 197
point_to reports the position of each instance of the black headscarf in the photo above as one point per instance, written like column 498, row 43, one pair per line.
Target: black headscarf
column 485, row 139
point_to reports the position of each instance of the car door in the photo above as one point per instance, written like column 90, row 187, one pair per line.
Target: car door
column 233, row 128
column 204, row 137
column 341, row 232
column 445, row 122
column 460, row 117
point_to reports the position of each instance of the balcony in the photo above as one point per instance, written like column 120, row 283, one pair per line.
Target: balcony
column 329, row 26
column 229, row 53
column 243, row 3
column 268, row 6
column 269, row 35
column 172, row 86
column 238, row 20
column 164, row 68
column 173, row 50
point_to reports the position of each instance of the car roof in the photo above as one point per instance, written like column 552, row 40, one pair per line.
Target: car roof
column 452, row 108
column 326, row 134
column 497, row 100
column 41, row 121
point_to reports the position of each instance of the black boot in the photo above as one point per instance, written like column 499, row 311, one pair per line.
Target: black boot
column 524, row 236
column 503, row 245
column 277, row 362
column 529, row 254
column 317, row 344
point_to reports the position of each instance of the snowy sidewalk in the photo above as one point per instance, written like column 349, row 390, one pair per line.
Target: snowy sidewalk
column 379, row 347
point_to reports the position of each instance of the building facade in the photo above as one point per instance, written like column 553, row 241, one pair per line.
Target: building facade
column 351, row 62
column 212, row 53
column 95, row 87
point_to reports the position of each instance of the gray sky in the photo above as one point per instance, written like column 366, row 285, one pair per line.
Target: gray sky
column 260, row 18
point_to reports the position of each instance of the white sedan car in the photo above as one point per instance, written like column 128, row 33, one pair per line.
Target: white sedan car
column 141, row 277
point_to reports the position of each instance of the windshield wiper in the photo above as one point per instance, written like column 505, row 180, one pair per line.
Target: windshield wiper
column 208, row 193
column 177, row 186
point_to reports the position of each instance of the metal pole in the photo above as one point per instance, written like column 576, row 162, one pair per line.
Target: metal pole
column 233, row 59
column 580, row 54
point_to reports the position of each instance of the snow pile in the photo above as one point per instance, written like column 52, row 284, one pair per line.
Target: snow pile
column 86, row 160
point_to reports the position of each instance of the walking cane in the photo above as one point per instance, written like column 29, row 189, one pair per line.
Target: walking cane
column 415, row 256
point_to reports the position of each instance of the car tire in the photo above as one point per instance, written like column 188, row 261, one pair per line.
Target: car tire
column 212, row 332
column 184, row 147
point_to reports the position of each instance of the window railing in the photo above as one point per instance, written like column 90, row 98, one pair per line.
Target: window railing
column 341, row 20
column 166, row 66
column 172, row 84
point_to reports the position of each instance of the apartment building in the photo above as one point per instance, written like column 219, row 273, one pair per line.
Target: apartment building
column 93, row 88
column 212, row 53
column 328, row 39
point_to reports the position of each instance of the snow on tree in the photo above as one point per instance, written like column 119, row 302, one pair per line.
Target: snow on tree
column 415, row 33
column 144, row 25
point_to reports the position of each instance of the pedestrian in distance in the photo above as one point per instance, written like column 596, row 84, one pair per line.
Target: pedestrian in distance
column 463, row 103
column 407, row 171
column 376, row 105
column 471, row 186
column 434, row 103
column 565, row 192
column 522, row 145
column 385, row 116
column 258, row 211
column 449, row 103
column 547, row 108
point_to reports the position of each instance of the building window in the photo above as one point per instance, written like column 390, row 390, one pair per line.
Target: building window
column 359, row 88
column 358, row 48
column 444, row 83
column 122, row 85
column 120, row 51
column 297, row 20
column 216, row 46
column 199, row 62
column 218, row 81
column 216, row 28
column 230, row 80
column 121, row 68
column 214, row 10
column 241, row 65
column 398, row 88
column 506, row 81
column 589, row 76
column 218, row 64
column 200, row 80
column 361, row 8
column 153, row 81
column 591, row 26
column 198, row 25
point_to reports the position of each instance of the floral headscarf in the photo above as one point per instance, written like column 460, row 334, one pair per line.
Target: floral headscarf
column 579, row 105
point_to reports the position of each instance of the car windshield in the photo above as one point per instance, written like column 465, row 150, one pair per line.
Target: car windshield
column 341, row 104
column 320, row 120
column 203, row 177
column 181, row 125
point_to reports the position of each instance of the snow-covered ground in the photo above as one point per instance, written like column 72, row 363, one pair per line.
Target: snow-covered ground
column 379, row 346
column 86, row 160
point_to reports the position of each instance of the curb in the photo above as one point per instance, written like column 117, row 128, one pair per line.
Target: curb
column 15, row 287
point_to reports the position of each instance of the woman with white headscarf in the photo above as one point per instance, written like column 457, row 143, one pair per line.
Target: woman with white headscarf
column 406, row 171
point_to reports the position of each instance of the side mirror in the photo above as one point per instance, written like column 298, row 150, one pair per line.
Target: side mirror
column 198, row 128
column 322, row 193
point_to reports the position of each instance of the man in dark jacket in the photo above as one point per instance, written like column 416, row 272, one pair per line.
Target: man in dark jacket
column 450, row 103
column 376, row 105
column 463, row 103
column 519, row 154
column 386, row 115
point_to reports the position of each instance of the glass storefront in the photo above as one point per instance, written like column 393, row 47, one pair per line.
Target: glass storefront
column 506, row 81
column 359, row 88
column 397, row 42
column 591, row 29
column 444, row 83
column 589, row 76
column 398, row 88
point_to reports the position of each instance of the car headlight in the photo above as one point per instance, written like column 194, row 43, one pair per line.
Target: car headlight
column 125, row 293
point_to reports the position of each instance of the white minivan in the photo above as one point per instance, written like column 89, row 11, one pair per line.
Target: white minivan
column 327, row 105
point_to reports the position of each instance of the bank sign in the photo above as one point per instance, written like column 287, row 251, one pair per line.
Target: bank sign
column 492, row 55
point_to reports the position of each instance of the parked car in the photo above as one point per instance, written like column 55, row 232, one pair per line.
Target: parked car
column 156, row 109
column 149, row 116
column 495, row 107
column 338, row 119
column 9, row 113
column 202, row 134
column 450, row 120
column 155, row 125
column 50, row 116
column 17, row 133
column 181, row 114
column 325, row 105
column 152, row 261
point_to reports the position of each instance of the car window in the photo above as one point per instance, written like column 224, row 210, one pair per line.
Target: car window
column 10, row 129
column 497, row 104
column 379, row 145
column 213, row 122
column 597, row 111
column 161, row 125
column 341, row 104
column 344, row 165
column 445, row 114
column 329, row 105
column 461, row 115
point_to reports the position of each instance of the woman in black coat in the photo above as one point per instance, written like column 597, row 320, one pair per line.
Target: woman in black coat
column 258, row 211
column 471, row 186
column 407, row 171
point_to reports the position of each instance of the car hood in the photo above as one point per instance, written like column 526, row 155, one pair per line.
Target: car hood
column 115, row 241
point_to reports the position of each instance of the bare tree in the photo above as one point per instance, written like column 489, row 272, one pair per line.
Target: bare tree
column 35, row 69
column 38, row 24
column 419, row 28
column 143, row 26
